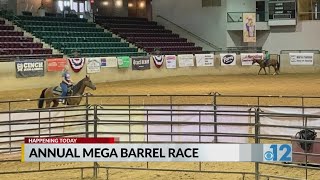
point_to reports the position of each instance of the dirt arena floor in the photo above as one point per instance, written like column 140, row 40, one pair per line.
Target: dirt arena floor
column 296, row 85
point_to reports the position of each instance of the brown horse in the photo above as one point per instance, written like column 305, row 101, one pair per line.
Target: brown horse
column 272, row 62
column 54, row 93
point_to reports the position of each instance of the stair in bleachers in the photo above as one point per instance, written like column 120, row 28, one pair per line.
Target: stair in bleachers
column 15, row 44
column 147, row 35
column 72, row 34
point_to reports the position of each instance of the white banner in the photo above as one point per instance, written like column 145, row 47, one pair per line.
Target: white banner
column 228, row 59
column 171, row 61
column 288, row 121
column 186, row 60
column 246, row 58
column 155, row 152
column 93, row 65
column 205, row 59
column 301, row 58
column 109, row 62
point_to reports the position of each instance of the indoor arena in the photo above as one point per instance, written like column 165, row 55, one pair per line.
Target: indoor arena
column 161, row 72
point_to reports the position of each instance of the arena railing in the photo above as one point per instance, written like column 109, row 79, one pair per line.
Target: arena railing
column 299, row 51
column 213, row 99
column 305, row 16
column 261, row 16
column 9, row 58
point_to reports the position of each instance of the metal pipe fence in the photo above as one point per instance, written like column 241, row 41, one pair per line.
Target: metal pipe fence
column 89, row 119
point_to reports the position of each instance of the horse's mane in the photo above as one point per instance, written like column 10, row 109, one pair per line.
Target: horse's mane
column 77, row 87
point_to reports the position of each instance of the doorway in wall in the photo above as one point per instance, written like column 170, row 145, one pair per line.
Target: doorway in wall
column 261, row 11
column 139, row 8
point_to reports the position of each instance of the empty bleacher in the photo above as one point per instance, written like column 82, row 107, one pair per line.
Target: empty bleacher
column 75, row 34
column 147, row 35
column 14, row 44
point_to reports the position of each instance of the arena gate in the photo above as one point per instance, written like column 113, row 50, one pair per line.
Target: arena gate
column 209, row 118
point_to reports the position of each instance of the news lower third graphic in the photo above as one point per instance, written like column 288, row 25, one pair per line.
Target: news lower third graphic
column 110, row 150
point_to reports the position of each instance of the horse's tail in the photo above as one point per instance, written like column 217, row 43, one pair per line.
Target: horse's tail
column 40, row 102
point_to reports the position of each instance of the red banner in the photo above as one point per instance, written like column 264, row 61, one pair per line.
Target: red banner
column 56, row 64
column 69, row 140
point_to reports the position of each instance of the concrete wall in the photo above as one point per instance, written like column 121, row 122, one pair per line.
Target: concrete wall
column 10, row 82
column 302, row 37
column 31, row 5
column 182, row 33
column 209, row 23
column 12, row 5
column 112, row 8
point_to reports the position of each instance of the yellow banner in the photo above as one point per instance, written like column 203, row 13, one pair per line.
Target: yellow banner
column 249, row 27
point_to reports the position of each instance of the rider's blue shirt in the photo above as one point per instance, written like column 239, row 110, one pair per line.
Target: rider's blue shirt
column 66, row 76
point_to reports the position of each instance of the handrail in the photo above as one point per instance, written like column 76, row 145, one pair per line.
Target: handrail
column 228, row 16
column 241, row 13
column 300, row 51
column 192, row 34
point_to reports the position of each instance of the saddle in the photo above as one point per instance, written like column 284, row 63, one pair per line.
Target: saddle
column 58, row 91
column 306, row 134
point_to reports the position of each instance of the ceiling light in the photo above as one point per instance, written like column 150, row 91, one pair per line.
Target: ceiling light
column 105, row 3
column 118, row 3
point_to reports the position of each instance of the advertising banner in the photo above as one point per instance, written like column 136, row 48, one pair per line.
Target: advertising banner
column 186, row 60
column 171, row 61
column 228, row 59
column 109, row 62
column 301, row 58
column 246, row 58
column 93, row 65
column 29, row 68
column 123, row 61
column 56, row 64
column 205, row 59
column 141, row 63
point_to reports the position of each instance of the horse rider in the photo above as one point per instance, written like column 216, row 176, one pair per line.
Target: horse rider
column 66, row 83
column 267, row 57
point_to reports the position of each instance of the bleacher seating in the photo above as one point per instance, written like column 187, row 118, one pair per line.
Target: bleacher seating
column 147, row 35
column 15, row 44
column 75, row 34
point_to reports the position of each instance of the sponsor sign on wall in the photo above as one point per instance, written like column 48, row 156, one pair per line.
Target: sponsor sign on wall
column 158, row 60
column 246, row 58
column 205, row 59
column 93, row 65
column 29, row 68
column 186, row 60
column 171, row 61
column 56, row 64
column 123, row 61
column 228, row 59
column 301, row 58
column 109, row 62
column 141, row 63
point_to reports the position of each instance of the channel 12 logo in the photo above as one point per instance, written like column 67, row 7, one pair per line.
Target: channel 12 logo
column 277, row 152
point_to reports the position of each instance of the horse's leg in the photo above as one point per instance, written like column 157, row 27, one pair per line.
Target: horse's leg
column 265, row 72
column 269, row 69
column 55, row 103
column 259, row 70
column 275, row 70
column 48, row 102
